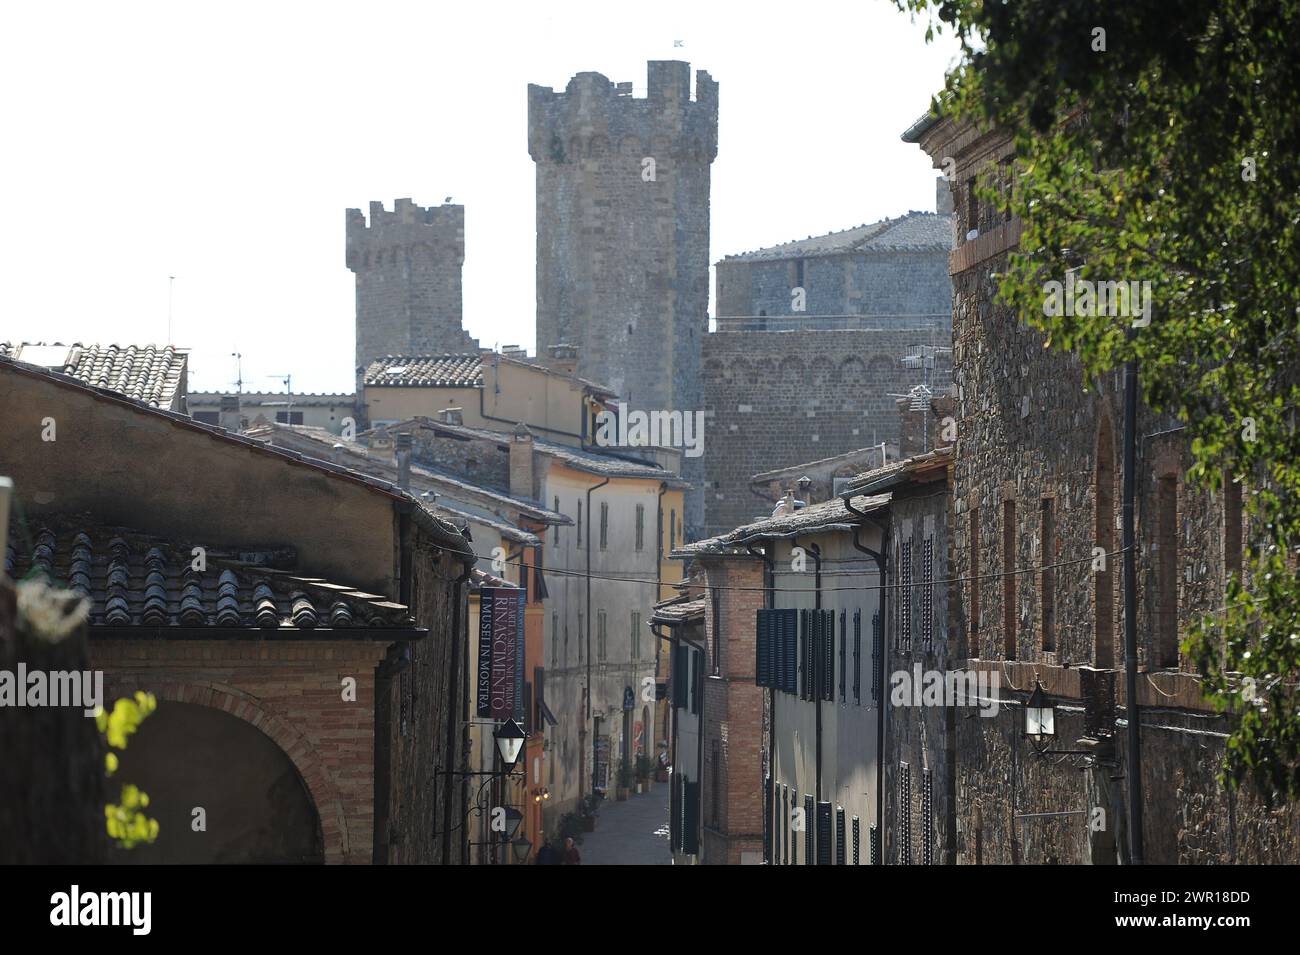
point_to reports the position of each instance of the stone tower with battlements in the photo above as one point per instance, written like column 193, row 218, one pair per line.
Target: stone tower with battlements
column 623, row 233
column 407, row 263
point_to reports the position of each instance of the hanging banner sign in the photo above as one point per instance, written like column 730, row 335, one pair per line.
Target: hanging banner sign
column 501, row 653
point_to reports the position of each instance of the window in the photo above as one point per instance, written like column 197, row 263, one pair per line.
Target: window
column 905, row 597
column 640, row 527
column 927, row 817
column 857, row 659
column 857, row 840
column 672, row 529
column 1104, row 529
column 604, row 526
column 974, row 620
column 904, row 814
column 579, row 523
column 636, row 635
column 877, row 658
column 1009, row 579
column 1166, row 547
column 288, row 417
column 1047, row 579
column 927, row 593
column 601, row 635
column 556, row 539
column 844, row 651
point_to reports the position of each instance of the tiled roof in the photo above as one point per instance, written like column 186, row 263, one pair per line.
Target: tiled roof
column 580, row 459
column 913, row 232
column 149, row 373
column 454, row 371
column 815, row 518
column 250, row 398
column 929, row 466
column 680, row 609
column 308, row 439
column 137, row 580
column 441, row 371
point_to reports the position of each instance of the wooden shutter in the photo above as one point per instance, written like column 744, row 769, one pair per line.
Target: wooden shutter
column 857, row 657
column 927, row 817
column 875, row 845
column 825, row 836
column 790, row 641
column 764, row 655
column 691, row 823
column 809, row 827
column 839, row 835
column 805, row 644
column 904, row 814
column 844, row 651
column 681, row 675
column 877, row 659
column 828, row 656
column 675, row 812
column 857, row 840
column 767, row 819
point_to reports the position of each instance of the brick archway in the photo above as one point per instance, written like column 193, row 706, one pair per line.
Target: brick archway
column 335, row 837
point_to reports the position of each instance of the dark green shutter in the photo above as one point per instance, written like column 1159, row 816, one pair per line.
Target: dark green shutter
column 844, row 651
column 681, row 675
column 691, row 824
column 857, row 657
column 809, row 829
column 828, row 656
column 825, row 836
column 839, row 835
column 857, row 840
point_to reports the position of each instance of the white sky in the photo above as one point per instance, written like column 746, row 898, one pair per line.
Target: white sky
column 221, row 143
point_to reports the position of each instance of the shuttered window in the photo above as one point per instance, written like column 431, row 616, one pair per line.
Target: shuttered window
column 691, row 824
column 839, row 835
column 875, row 845
column 905, row 597
column 825, row 835
column 927, row 594
column 826, row 679
column 857, row 840
column 681, row 676
column 927, row 818
column 785, row 824
column 857, row 657
column 904, row 814
column 809, row 829
column 844, row 650
column 877, row 658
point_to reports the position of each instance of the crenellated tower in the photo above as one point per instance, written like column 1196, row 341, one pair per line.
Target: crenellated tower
column 623, row 233
column 408, row 268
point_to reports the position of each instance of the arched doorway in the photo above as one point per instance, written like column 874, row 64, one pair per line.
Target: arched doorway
column 256, row 807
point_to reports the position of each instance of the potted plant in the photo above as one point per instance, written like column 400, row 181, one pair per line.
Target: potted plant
column 587, row 809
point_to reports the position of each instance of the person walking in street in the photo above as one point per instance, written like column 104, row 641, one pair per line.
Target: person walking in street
column 571, row 854
column 547, row 854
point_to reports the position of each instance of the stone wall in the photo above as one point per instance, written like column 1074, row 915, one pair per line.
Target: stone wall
column 854, row 283
column 622, row 259
column 408, row 268
column 775, row 399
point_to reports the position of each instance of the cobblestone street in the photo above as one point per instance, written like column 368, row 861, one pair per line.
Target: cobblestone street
column 634, row 832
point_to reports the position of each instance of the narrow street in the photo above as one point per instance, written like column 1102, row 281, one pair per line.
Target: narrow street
column 634, row 832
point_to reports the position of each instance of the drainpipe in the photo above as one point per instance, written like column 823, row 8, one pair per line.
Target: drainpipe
column 881, row 558
column 595, row 487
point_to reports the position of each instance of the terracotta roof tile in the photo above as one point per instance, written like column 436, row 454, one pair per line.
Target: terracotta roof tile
column 153, row 374
column 136, row 580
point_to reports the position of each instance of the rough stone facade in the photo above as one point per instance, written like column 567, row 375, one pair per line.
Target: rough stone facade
column 775, row 399
column 408, row 268
column 1036, row 488
column 623, row 247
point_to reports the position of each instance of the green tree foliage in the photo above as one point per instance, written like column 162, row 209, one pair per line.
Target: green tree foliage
column 1166, row 150
column 127, row 823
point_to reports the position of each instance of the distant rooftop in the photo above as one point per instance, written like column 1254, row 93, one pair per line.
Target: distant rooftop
column 154, row 374
column 453, row 371
column 913, row 232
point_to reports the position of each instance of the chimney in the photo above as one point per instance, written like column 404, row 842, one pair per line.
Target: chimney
column 564, row 359
column 402, row 453
column 943, row 196
column 228, row 416
column 521, row 462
